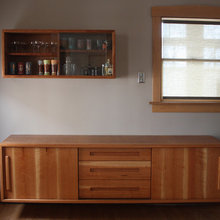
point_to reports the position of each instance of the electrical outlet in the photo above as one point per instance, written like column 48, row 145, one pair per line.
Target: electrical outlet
column 141, row 77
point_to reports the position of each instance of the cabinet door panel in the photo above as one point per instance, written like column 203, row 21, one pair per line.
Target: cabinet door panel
column 185, row 173
column 40, row 173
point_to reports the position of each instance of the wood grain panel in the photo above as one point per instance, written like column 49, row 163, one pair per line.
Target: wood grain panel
column 114, row 154
column 41, row 173
column 114, row 189
column 190, row 11
column 114, row 169
column 156, row 58
column 185, row 173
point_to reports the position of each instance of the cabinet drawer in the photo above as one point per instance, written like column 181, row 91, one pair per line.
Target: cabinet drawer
column 114, row 154
column 114, row 170
column 114, row 189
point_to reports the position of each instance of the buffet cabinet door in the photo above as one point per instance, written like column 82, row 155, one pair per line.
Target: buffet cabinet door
column 186, row 174
column 40, row 173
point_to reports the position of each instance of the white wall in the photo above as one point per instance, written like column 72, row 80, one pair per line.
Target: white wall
column 93, row 106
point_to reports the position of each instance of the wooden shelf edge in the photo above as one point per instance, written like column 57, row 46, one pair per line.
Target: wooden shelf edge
column 57, row 77
column 85, row 51
column 34, row 54
column 191, row 107
column 109, row 201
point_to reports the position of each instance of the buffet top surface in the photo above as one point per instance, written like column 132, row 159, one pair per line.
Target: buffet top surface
column 111, row 141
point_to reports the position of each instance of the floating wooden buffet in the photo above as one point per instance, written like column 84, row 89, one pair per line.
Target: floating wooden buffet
column 110, row 169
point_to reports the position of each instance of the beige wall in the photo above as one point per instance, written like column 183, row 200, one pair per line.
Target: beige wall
column 93, row 106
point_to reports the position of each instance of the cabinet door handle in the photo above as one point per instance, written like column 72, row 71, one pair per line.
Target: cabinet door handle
column 135, row 170
column 113, row 154
column 218, row 173
column 114, row 189
column 7, row 172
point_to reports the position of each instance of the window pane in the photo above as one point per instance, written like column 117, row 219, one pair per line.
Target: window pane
column 190, row 41
column 211, row 31
column 191, row 79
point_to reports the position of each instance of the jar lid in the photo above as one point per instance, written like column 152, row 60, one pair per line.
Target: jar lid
column 46, row 61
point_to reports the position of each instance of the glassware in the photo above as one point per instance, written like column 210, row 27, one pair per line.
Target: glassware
column 81, row 44
column 99, row 44
column 53, row 45
column 71, row 43
column 88, row 44
column 67, row 66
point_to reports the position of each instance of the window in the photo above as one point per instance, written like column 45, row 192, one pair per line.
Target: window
column 186, row 59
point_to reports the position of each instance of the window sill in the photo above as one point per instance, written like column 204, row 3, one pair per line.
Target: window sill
column 185, row 106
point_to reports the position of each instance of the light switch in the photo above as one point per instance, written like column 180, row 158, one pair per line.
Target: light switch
column 141, row 77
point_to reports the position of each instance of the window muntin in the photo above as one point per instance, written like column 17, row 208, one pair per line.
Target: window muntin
column 191, row 60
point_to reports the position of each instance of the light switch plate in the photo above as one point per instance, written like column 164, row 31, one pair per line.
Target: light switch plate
column 141, row 77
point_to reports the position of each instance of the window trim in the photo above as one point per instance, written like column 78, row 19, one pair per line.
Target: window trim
column 176, row 105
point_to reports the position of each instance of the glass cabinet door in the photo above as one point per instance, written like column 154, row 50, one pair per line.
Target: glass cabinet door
column 86, row 54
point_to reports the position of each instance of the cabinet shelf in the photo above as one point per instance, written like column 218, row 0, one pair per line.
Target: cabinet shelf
column 87, row 58
column 60, row 76
column 84, row 51
column 33, row 54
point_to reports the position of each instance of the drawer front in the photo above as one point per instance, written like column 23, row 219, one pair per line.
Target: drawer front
column 114, row 170
column 114, row 154
column 114, row 189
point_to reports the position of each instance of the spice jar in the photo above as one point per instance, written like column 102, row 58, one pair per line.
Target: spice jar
column 46, row 67
column 40, row 67
column 20, row 68
column 54, row 65
column 12, row 68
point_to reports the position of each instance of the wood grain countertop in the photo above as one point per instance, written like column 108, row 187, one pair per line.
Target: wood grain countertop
column 110, row 141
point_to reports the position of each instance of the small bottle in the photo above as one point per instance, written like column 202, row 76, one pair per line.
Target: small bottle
column 67, row 66
column 103, row 69
column 108, row 68
column 28, row 66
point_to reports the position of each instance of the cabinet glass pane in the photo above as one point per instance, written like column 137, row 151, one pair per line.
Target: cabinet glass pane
column 83, row 54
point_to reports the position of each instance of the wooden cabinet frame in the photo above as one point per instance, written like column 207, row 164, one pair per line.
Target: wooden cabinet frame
column 56, row 33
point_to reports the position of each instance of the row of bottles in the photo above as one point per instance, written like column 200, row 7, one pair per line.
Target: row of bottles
column 70, row 68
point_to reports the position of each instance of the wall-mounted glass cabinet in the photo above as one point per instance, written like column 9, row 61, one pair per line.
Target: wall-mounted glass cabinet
column 58, row 54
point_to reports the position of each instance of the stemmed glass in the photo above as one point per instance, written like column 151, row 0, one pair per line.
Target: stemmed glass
column 53, row 45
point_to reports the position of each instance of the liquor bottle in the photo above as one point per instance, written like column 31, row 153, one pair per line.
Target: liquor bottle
column 108, row 68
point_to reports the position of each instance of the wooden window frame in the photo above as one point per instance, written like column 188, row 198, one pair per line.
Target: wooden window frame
column 158, row 103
